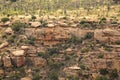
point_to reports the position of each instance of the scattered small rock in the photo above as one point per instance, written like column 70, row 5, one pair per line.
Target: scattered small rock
column 24, row 47
column 26, row 78
column 51, row 25
column 74, row 68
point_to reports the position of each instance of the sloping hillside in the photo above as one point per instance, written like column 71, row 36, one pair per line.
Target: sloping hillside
column 59, row 49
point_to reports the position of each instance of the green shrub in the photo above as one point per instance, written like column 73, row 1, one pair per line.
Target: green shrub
column 108, row 49
column 44, row 23
column 113, row 74
column 36, row 69
column 83, row 22
column 36, row 76
column 85, row 25
column 14, row 76
column 102, row 20
column 84, row 50
column 1, row 77
column 52, row 51
column 4, row 36
column 73, row 77
column 101, row 78
column 33, row 17
column 82, row 66
column 64, row 17
column 31, row 40
column 117, row 42
column 8, row 15
column 100, row 55
column 74, row 40
column 67, row 57
column 11, row 39
column 22, row 70
column 43, row 55
column 103, row 45
column 17, row 26
column 40, row 54
column 103, row 71
column 5, row 19
column 88, row 36
column 53, row 75
column 55, row 65
column 13, row 0
column 29, row 62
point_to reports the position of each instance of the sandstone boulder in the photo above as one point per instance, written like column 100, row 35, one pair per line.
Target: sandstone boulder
column 8, row 23
column 74, row 68
column 94, row 75
column 51, row 25
column 24, row 47
column 9, row 31
column 35, row 24
column 18, row 53
column 18, row 61
column 61, row 78
column 74, row 25
column 69, row 50
column 7, row 61
column 62, row 24
column 26, row 78
column 4, row 45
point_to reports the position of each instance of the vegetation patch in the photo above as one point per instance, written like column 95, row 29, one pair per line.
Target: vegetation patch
column 5, row 19
column 84, row 50
column 17, row 26
column 103, row 71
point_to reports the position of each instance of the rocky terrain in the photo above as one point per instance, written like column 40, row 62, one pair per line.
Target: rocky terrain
column 59, row 49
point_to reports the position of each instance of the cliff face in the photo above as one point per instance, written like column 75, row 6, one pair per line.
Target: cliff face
column 58, row 51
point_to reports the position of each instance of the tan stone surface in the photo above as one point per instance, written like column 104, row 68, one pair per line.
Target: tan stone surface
column 18, row 53
column 40, row 62
column 4, row 45
column 26, row 78
column 7, row 61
